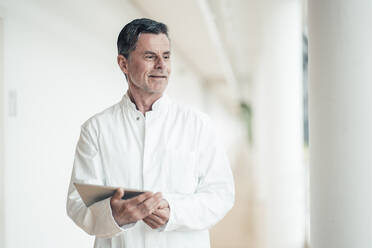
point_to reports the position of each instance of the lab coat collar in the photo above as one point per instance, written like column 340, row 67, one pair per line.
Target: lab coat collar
column 160, row 105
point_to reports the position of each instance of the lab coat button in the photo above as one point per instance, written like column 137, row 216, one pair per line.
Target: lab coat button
column 137, row 118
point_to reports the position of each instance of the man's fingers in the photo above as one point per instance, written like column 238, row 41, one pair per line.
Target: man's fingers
column 150, row 223
column 119, row 193
column 162, row 213
column 156, row 219
column 140, row 198
column 148, row 206
column 136, row 208
column 151, row 203
column 163, row 204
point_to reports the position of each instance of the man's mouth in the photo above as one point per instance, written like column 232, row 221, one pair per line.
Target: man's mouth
column 158, row 76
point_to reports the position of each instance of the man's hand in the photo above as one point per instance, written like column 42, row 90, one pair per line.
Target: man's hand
column 134, row 209
column 159, row 217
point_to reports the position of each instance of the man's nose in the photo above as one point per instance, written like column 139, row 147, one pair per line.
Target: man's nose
column 160, row 63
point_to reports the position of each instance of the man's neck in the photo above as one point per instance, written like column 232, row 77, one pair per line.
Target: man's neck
column 143, row 101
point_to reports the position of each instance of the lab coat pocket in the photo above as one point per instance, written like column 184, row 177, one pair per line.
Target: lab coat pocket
column 182, row 177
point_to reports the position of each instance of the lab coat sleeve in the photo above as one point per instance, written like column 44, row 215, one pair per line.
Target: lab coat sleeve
column 96, row 219
column 214, row 195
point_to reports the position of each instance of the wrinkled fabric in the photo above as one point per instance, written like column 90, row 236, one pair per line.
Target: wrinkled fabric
column 171, row 149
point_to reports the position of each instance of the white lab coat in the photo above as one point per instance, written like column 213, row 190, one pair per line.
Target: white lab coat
column 172, row 150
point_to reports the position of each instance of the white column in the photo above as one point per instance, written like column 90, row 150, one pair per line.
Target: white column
column 277, row 115
column 340, row 101
column 2, row 160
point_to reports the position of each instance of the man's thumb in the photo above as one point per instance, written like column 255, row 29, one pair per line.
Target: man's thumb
column 119, row 193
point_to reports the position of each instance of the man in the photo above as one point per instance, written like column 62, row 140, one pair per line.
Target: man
column 148, row 142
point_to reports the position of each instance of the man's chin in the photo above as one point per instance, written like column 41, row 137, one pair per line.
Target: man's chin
column 157, row 90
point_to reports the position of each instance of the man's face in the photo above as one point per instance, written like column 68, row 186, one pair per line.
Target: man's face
column 148, row 66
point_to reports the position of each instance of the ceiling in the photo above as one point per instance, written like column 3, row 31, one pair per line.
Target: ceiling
column 220, row 39
column 202, row 35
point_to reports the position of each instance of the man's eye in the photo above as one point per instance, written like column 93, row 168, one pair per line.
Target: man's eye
column 166, row 57
column 149, row 57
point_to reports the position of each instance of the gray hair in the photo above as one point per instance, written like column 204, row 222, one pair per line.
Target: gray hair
column 129, row 34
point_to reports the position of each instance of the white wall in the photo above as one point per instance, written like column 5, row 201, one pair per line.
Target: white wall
column 60, row 60
column 61, row 66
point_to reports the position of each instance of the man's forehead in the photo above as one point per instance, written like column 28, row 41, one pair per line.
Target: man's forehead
column 153, row 42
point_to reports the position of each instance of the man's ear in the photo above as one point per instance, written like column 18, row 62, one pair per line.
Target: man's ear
column 123, row 63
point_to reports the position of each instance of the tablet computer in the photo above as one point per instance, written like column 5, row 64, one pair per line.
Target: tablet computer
column 91, row 193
